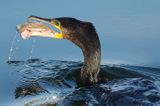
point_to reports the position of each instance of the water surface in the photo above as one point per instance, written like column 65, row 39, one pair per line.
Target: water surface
column 53, row 82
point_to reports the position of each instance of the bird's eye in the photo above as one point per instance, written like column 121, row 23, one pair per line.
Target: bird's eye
column 57, row 23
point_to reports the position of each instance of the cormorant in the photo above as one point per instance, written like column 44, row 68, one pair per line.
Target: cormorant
column 81, row 33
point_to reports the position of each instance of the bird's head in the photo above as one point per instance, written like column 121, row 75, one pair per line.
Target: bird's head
column 60, row 28
column 37, row 26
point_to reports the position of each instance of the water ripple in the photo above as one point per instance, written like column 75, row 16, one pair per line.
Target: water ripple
column 56, row 80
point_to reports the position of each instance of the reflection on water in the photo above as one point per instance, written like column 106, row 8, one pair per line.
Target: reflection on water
column 52, row 82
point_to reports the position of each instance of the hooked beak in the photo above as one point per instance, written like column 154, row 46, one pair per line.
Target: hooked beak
column 39, row 28
column 39, row 19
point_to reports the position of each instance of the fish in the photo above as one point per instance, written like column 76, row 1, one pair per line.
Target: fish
column 29, row 29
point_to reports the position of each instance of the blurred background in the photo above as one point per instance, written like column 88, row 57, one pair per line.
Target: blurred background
column 128, row 30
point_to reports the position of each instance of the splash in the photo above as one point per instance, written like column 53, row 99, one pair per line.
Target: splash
column 16, row 48
column 54, row 83
column 32, row 48
column 12, row 46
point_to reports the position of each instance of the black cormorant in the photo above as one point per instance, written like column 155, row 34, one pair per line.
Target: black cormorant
column 81, row 33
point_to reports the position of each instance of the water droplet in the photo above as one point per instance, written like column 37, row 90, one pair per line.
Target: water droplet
column 18, row 40
column 9, row 58
column 11, row 50
column 32, row 48
column 12, row 44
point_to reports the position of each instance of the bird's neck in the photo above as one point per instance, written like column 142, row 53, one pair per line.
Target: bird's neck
column 87, row 39
column 91, row 66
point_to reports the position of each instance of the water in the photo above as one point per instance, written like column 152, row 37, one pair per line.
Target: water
column 37, row 82
column 129, row 34
column 17, row 48
column 53, row 82
column 12, row 45
column 32, row 48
